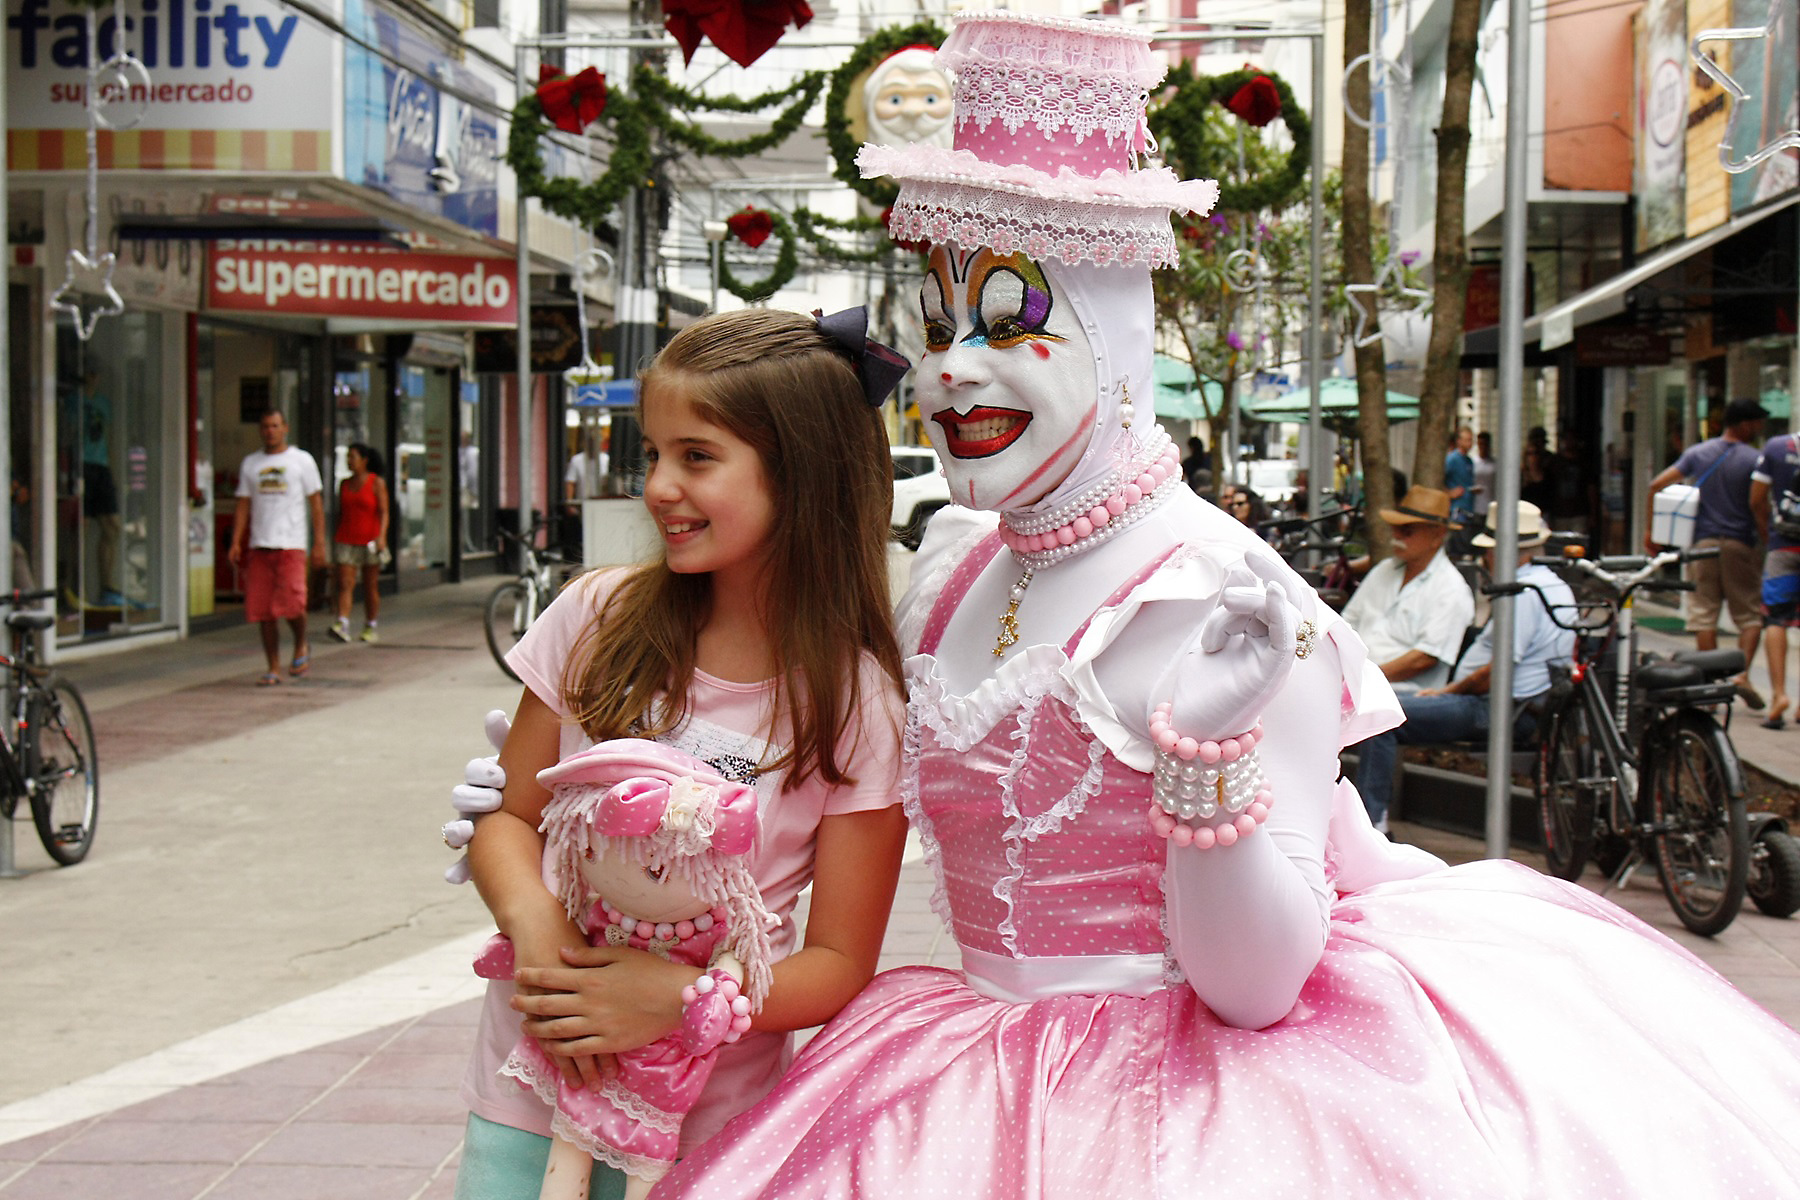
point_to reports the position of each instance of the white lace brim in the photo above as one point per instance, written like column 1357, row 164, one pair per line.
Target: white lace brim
column 1115, row 218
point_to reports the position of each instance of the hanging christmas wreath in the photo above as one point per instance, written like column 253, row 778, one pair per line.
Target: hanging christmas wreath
column 843, row 144
column 1179, row 122
column 651, row 105
column 749, row 227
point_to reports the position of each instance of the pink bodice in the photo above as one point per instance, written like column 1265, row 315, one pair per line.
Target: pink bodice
column 1036, row 832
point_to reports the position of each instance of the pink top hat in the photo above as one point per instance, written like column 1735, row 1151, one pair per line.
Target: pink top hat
column 1049, row 116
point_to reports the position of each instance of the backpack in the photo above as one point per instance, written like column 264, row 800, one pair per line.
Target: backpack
column 1784, row 517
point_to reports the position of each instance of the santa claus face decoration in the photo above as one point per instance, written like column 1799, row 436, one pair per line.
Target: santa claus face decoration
column 1007, row 386
column 907, row 100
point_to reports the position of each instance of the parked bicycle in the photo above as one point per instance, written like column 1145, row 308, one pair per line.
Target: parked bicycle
column 1323, row 539
column 47, row 757
column 515, row 604
column 1634, row 763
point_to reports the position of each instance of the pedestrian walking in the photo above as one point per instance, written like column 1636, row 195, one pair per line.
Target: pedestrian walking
column 1721, row 468
column 278, row 499
column 360, row 545
column 1775, row 502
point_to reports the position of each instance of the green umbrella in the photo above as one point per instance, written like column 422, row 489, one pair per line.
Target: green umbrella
column 1337, row 401
column 1176, row 395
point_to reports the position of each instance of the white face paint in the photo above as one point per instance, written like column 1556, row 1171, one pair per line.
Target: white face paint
column 1007, row 386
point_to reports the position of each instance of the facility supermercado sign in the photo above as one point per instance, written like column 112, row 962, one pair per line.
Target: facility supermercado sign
column 345, row 280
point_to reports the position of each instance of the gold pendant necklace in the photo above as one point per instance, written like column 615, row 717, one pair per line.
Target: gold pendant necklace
column 1009, row 620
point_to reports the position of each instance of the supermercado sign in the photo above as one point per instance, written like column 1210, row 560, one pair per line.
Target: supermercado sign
column 333, row 280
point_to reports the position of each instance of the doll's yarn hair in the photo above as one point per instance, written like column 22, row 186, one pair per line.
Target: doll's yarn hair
column 720, row 879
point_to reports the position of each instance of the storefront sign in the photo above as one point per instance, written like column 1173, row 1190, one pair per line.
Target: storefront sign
column 407, row 136
column 244, row 85
column 1660, row 161
column 1608, row 346
column 1708, row 188
column 322, row 279
column 1769, row 69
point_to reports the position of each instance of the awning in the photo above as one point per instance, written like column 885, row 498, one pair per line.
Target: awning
column 1176, row 395
column 1556, row 325
column 1338, row 401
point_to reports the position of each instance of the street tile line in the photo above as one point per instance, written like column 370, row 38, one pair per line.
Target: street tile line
column 337, row 1083
column 400, row 991
column 441, row 1168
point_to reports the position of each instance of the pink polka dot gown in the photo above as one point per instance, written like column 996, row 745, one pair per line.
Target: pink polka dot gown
column 1477, row 1032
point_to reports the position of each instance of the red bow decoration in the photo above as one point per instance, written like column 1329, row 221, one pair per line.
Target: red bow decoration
column 571, row 102
column 743, row 29
column 751, row 227
column 1257, row 102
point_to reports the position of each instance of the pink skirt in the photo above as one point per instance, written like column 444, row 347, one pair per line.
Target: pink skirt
column 1479, row 1032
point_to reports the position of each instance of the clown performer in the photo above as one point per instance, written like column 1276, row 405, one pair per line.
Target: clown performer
column 1189, row 965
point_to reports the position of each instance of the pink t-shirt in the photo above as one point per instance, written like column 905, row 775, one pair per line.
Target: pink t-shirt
column 728, row 727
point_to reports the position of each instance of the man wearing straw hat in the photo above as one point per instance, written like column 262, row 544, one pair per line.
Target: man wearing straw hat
column 1414, row 607
column 1459, row 711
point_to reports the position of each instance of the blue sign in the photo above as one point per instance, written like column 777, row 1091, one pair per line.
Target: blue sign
column 404, row 136
column 619, row 393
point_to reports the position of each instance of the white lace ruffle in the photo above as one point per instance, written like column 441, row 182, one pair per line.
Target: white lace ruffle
column 1106, row 233
column 643, row 1166
column 912, row 741
column 1018, row 94
column 959, row 722
column 1071, row 44
column 1152, row 188
column 932, row 567
column 633, row 1105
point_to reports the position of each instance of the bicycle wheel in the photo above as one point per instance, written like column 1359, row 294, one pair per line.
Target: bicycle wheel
column 1775, row 874
column 63, row 771
column 1699, row 832
column 1565, row 802
column 508, row 616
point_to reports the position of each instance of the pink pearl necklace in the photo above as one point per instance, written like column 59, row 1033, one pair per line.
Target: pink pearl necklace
column 664, row 931
column 1084, row 525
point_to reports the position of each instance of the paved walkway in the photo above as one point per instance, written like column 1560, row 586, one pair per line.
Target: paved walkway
column 258, row 988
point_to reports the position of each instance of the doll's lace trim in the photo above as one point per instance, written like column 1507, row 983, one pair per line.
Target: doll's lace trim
column 612, row 1091
column 641, row 1165
column 1018, row 94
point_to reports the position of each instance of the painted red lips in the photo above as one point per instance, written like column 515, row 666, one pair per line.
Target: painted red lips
column 982, row 432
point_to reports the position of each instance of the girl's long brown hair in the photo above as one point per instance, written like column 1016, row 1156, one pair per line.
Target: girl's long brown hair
column 772, row 379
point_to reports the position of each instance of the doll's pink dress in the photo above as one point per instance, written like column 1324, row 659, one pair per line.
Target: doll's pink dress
column 634, row 1121
column 1482, row 1031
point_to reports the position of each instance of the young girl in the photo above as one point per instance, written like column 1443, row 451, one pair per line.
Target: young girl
column 361, row 539
column 759, row 641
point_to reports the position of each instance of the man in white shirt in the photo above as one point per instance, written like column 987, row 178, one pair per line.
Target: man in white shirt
column 1413, row 608
column 1460, row 710
column 278, row 491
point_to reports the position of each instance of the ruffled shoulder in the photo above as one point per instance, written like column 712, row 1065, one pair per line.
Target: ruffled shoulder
column 1194, row 574
column 951, row 535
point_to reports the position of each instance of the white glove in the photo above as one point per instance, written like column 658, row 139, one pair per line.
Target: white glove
column 479, row 792
column 1222, row 678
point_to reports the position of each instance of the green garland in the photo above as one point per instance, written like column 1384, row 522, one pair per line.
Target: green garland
column 810, row 223
column 786, row 263
column 879, row 192
column 657, row 90
column 1179, row 123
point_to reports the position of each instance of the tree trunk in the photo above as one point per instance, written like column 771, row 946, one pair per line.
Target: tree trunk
column 1449, row 255
column 1359, row 267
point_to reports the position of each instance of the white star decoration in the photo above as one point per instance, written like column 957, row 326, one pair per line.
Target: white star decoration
column 87, row 277
column 1737, row 94
column 1392, row 271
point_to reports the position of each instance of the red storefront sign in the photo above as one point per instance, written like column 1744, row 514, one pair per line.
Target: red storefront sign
column 324, row 279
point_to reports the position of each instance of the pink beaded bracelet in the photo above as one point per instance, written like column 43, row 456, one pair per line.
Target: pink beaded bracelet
column 1227, row 776
column 714, row 1011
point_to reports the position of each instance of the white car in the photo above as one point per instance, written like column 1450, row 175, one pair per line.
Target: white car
column 920, row 489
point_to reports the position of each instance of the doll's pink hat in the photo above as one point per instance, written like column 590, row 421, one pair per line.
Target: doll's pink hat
column 1049, row 118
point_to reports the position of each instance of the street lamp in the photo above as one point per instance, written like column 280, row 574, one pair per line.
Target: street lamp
column 716, row 232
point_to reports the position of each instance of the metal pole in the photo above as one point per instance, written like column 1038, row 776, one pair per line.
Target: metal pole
column 1506, row 449
column 1315, row 291
column 522, row 221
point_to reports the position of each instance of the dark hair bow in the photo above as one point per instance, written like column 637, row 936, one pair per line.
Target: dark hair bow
column 878, row 367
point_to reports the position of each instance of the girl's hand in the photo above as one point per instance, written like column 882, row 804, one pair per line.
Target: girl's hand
column 544, row 954
column 606, row 1000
